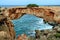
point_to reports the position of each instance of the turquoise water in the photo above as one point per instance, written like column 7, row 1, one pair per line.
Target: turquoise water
column 28, row 23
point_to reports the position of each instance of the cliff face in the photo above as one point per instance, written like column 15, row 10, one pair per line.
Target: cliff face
column 47, row 13
column 6, row 29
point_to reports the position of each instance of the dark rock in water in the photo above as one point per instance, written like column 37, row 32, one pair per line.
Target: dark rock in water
column 6, row 29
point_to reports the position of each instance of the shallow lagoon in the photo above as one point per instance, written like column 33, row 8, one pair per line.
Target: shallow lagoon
column 28, row 24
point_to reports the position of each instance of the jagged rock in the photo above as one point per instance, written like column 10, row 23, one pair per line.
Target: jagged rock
column 37, row 34
column 4, row 35
column 47, row 14
column 52, row 34
column 6, row 29
column 22, row 37
column 43, row 38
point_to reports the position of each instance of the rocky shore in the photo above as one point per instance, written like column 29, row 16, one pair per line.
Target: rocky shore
column 6, row 28
column 7, row 31
column 48, row 14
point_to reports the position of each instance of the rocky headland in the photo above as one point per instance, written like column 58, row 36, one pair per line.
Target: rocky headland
column 6, row 28
column 50, row 15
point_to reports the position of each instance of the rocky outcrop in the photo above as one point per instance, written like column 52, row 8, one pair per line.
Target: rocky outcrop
column 48, row 34
column 6, row 29
column 49, row 15
column 46, row 13
column 53, row 34
column 22, row 37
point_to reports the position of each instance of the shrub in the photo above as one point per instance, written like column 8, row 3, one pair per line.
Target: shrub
column 57, row 35
column 32, row 5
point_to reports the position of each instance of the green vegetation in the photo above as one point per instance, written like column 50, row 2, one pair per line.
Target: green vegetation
column 32, row 5
column 57, row 35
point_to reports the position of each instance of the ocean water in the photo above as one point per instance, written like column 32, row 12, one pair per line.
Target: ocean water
column 28, row 23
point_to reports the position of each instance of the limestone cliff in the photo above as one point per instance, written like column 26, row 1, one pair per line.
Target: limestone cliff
column 48, row 14
column 6, row 29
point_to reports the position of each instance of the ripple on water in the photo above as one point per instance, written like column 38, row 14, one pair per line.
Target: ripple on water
column 28, row 23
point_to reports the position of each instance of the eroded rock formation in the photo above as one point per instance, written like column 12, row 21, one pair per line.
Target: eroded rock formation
column 6, row 28
column 53, row 34
column 46, row 13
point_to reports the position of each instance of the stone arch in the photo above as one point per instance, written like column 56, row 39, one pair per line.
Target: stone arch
column 46, row 14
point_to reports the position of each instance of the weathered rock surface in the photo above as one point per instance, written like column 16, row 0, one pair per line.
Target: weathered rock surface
column 53, row 34
column 49, row 14
column 6, row 29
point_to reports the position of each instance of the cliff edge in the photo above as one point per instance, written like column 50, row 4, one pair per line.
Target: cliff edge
column 6, row 29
